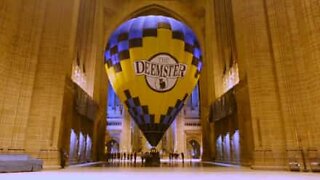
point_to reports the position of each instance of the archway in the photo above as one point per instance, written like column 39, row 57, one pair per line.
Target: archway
column 112, row 146
column 73, row 147
column 194, row 149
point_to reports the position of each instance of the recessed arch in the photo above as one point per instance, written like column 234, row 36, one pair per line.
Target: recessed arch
column 155, row 9
column 194, row 148
column 112, row 146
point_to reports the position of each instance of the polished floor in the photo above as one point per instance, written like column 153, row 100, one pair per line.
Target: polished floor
column 168, row 170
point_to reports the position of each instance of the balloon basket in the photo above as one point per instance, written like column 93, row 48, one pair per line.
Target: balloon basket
column 153, row 149
column 153, row 158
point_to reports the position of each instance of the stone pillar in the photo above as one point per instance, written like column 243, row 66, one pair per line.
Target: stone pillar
column 97, row 82
column 254, row 44
column 38, row 40
column 279, row 43
column 125, row 142
column 243, row 118
column 180, row 134
column 170, row 139
column 294, row 36
column 54, row 62
column 136, row 139
column 20, row 41
column 207, row 84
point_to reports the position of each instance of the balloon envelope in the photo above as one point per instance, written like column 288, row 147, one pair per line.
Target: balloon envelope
column 153, row 64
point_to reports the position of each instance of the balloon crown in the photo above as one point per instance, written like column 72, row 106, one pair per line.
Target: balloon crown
column 130, row 34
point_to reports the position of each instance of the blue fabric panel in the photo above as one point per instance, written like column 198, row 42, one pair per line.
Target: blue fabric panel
column 136, row 28
column 188, row 35
column 175, row 25
column 147, row 119
column 150, row 23
column 197, row 53
column 115, row 59
column 123, row 45
column 107, row 55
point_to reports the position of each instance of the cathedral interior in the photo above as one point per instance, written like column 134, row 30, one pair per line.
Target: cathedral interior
column 254, row 106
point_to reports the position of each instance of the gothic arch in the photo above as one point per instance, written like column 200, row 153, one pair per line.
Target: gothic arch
column 195, row 138
column 154, row 9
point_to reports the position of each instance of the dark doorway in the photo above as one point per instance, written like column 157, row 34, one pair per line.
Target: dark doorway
column 194, row 149
column 112, row 146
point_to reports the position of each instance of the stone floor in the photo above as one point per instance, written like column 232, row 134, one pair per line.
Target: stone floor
column 168, row 170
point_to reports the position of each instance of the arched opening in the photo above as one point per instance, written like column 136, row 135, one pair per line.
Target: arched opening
column 88, row 148
column 192, row 107
column 153, row 9
column 73, row 147
column 227, row 142
column 112, row 147
column 194, row 149
column 114, row 106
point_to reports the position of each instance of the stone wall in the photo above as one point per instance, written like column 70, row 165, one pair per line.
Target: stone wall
column 277, row 45
column 37, row 42
column 279, row 54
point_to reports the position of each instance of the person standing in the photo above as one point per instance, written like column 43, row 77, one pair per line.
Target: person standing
column 134, row 157
column 142, row 157
column 63, row 157
column 182, row 157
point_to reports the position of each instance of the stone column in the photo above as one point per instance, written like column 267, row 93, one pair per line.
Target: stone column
column 38, row 37
column 180, row 134
column 254, row 44
column 208, row 82
column 54, row 63
column 294, row 35
column 21, row 30
column 125, row 142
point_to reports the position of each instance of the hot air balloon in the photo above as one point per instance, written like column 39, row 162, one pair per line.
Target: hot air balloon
column 153, row 64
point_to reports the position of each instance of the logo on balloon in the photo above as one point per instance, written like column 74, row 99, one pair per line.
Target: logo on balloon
column 161, row 71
